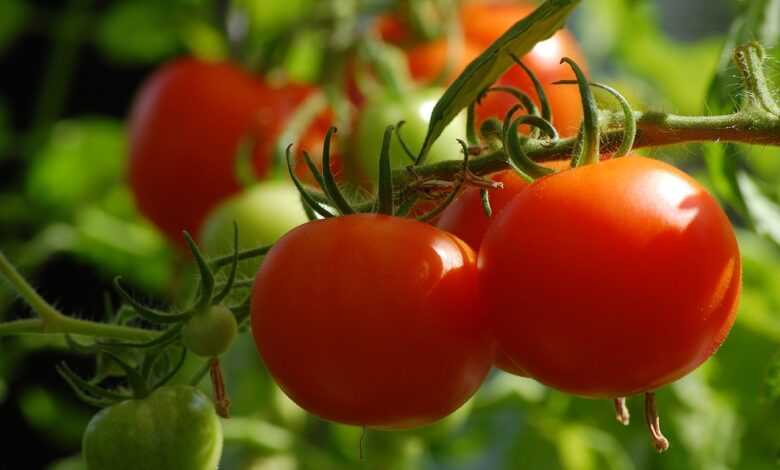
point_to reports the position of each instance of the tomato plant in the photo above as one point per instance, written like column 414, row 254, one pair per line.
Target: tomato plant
column 414, row 108
column 611, row 279
column 186, row 125
column 174, row 427
column 263, row 213
column 483, row 23
column 372, row 320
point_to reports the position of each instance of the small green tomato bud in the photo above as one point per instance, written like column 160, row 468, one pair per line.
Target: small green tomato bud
column 210, row 333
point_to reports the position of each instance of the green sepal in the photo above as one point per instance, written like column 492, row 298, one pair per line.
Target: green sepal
column 485, row 197
column 590, row 134
column 331, row 187
column 225, row 291
column 384, row 195
column 307, row 199
column 518, row 159
column 148, row 313
column 206, row 287
column 87, row 392
column 315, row 172
column 519, row 95
column 540, row 93
column 409, row 154
column 455, row 191
column 629, row 120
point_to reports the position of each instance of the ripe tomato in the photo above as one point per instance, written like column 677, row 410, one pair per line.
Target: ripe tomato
column 185, row 127
column 415, row 109
column 611, row 279
column 263, row 213
column 372, row 320
column 174, row 427
column 483, row 23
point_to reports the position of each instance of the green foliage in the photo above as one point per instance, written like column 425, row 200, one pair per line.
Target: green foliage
column 133, row 31
column 13, row 18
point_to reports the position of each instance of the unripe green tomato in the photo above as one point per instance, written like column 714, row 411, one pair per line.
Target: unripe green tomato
column 264, row 213
column 415, row 109
column 210, row 333
column 175, row 427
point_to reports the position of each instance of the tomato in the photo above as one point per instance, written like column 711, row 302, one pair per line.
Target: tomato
column 611, row 279
column 185, row 128
column 174, row 427
column 372, row 320
column 483, row 23
column 415, row 109
column 465, row 217
column 210, row 333
column 264, row 212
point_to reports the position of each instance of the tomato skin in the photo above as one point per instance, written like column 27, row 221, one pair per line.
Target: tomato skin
column 611, row 279
column 185, row 127
column 483, row 23
column 372, row 320
column 264, row 212
column 466, row 219
column 414, row 108
column 174, row 427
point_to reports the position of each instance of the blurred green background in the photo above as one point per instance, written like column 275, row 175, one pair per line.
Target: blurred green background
column 69, row 72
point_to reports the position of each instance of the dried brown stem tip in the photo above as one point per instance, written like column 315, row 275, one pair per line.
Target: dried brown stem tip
column 221, row 399
column 621, row 411
column 653, row 423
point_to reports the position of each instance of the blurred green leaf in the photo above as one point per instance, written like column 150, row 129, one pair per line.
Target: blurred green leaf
column 762, row 210
column 70, row 463
column 13, row 16
column 82, row 161
column 133, row 31
column 5, row 130
column 54, row 416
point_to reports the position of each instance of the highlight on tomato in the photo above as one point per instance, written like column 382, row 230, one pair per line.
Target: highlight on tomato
column 372, row 320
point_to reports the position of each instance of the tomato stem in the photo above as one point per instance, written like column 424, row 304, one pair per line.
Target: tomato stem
column 654, row 423
column 52, row 321
column 622, row 414
column 221, row 399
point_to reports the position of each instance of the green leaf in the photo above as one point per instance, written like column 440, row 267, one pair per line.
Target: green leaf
column 13, row 15
column 762, row 210
column 138, row 32
column 81, row 163
column 489, row 66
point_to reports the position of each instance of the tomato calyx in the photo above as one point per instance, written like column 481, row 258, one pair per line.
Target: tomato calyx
column 206, row 328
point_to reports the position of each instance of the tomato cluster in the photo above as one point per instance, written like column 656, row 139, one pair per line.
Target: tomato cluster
column 590, row 280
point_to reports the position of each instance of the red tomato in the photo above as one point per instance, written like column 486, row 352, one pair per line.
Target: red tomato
column 372, row 320
column 482, row 24
column 185, row 127
column 465, row 217
column 611, row 279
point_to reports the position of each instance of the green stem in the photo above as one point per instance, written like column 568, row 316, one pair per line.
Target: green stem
column 654, row 129
column 52, row 321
